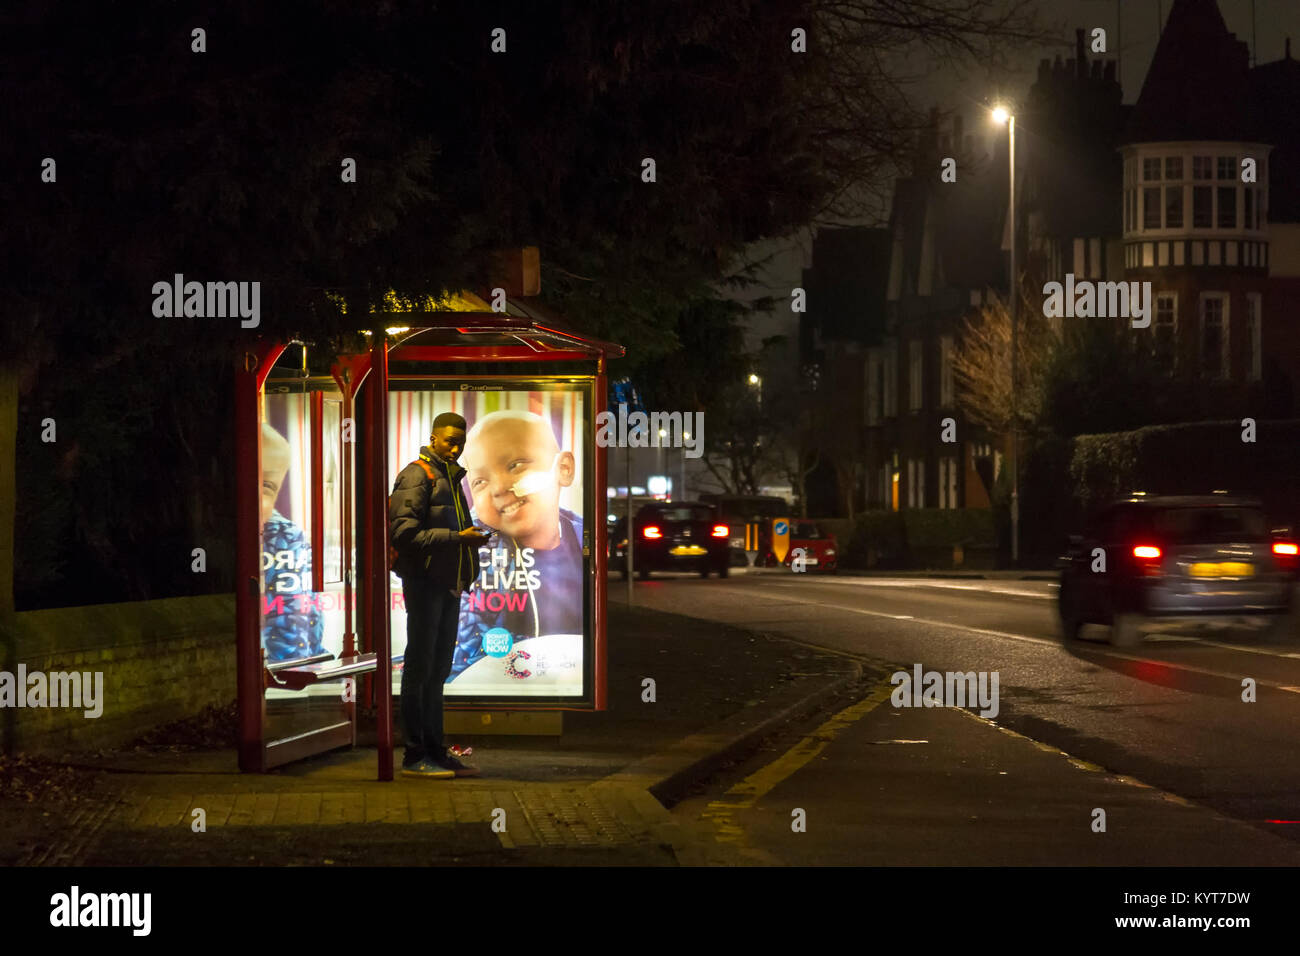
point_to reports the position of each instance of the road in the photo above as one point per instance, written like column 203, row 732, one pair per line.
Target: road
column 1158, row 736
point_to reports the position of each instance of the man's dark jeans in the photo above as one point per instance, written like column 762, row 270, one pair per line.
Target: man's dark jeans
column 432, row 613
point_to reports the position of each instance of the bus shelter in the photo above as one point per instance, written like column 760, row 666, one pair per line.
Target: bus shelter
column 320, row 438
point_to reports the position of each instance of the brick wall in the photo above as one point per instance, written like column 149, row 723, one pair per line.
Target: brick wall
column 161, row 660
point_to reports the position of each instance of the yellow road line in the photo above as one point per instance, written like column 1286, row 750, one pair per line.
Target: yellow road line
column 1086, row 765
column 745, row 794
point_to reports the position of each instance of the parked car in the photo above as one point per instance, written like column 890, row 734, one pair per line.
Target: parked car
column 1178, row 562
column 672, row 536
column 821, row 550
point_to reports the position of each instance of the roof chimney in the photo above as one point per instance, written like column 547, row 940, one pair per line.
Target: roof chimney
column 1288, row 48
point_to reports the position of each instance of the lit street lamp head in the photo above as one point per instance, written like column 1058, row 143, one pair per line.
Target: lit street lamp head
column 1000, row 115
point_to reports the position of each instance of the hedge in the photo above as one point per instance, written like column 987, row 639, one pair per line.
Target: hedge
column 1061, row 481
column 1193, row 459
column 920, row 536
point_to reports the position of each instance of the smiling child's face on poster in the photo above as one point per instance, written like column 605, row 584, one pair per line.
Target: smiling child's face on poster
column 516, row 472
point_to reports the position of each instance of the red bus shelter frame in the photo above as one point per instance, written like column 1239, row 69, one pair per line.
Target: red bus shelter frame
column 470, row 337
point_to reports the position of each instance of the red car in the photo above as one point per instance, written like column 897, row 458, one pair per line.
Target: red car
column 821, row 551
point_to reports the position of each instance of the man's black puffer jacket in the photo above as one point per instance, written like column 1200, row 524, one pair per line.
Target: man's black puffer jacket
column 424, row 519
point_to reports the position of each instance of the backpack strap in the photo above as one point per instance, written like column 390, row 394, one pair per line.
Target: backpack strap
column 424, row 466
column 428, row 471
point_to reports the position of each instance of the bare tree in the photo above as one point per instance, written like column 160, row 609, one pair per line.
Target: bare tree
column 862, row 102
column 982, row 362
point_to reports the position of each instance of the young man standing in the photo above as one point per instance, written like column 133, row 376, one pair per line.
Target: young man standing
column 437, row 558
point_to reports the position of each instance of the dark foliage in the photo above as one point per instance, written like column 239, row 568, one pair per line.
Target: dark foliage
column 226, row 165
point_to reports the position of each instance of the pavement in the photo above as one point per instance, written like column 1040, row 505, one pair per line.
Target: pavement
column 596, row 794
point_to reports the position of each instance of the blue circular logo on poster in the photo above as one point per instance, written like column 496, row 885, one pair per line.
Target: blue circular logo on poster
column 497, row 642
column 781, row 527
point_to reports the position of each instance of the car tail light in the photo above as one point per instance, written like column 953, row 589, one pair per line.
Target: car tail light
column 1148, row 558
column 652, row 531
column 721, row 531
column 1286, row 555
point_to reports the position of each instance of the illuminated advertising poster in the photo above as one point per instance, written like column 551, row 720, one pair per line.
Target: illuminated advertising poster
column 298, row 622
column 525, row 624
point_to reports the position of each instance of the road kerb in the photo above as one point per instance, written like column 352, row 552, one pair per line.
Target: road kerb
column 668, row 774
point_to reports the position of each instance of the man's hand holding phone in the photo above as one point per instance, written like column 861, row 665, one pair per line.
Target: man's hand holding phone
column 476, row 535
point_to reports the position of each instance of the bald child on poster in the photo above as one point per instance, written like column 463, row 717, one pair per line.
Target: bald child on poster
column 516, row 473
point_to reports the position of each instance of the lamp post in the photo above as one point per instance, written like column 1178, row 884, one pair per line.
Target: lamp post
column 686, row 436
column 1002, row 115
column 756, row 383
column 659, row 452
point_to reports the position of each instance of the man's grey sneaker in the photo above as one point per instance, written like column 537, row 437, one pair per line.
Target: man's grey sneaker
column 429, row 770
column 450, row 763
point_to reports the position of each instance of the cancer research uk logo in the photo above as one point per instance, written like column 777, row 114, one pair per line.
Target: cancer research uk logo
column 951, row 689
column 653, row 430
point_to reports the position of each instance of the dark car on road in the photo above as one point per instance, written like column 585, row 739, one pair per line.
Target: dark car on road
column 1161, row 563
column 672, row 536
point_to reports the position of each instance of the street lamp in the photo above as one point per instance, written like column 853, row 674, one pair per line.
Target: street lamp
column 686, row 436
column 1002, row 114
column 659, row 451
